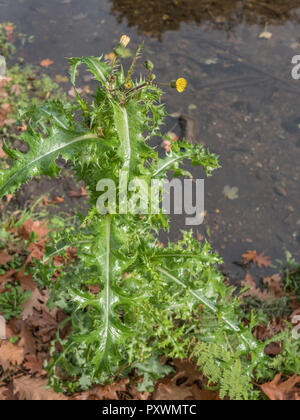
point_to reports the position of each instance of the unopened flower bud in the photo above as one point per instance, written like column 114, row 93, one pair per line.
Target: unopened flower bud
column 124, row 41
column 149, row 65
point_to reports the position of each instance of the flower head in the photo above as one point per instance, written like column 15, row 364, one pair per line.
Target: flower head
column 124, row 41
column 181, row 84
column 128, row 85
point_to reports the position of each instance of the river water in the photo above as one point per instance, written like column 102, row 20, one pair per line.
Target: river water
column 241, row 95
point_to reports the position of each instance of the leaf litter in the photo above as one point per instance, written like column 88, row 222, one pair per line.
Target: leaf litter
column 22, row 362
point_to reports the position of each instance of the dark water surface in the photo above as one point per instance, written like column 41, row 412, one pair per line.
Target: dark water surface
column 241, row 95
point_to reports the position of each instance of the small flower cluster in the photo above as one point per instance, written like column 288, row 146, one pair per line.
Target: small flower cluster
column 128, row 88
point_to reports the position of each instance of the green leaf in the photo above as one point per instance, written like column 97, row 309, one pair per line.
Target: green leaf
column 130, row 126
column 95, row 66
column 42, row 155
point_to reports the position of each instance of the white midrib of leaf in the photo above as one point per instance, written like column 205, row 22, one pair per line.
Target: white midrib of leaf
column 31, row 163
column 99, row 70
column 170, row 162
column 106, row 255
column 127, row 145
column 56, row 119
column 205, row 302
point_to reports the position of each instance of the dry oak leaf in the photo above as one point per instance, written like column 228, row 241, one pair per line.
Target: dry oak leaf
column 22, row 127
column 26, row 281
column 261, row 260
column 5, row 258
column 9, row 32
column 78, row 194
column 46, row 63
column 16, row 90
column 184, row 385
column 34, row 389
column 37, row 250
column 275, row 285
column 2, row 153
column 36, row 226
column 4, row 81
column 167, row 145
column 249, row 256
column 36, row 301
column 4, row 393
column 106, row 392
column 34, row 364
column 45, row 323
column 253, row 289
column 8, row 198
column 71, row 253
column 57, row 200
column 5, row 279
column 282, row 391
column 10, row 355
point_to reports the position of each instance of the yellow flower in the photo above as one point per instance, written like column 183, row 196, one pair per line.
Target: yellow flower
column 181, row 84
column 128, row 85
column 124, row 41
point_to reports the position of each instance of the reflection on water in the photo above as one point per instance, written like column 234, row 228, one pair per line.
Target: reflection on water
column 153, row 17
column 241, row 96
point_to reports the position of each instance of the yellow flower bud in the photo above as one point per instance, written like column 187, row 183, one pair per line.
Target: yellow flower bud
column 124, row 41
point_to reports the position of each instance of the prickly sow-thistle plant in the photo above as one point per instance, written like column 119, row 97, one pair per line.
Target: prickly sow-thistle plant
column 147, row 300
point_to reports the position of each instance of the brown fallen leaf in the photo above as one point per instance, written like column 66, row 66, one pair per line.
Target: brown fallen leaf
column 44, row 324
column 9, row 29
column 5, row 110
column 36, row 250
column 273, row 349
column 278, row 390
column 61, row 79
column 275, row 285
column 261, row 260
column 78, row 194
column 72, row 92
column 167, row 145
column 26, row 339
column 266, row 35
column 253, row 289
column 5, row 258
column 16, row 90
column 173, row 136
column 22, row 127
column 5, row 278
column 185, row 384
column 37, row 301
column 4, row 81
column 34, row 389
column 249, row 256
column 36, row 226
column 5, row 394
column 71, row 253
column 10, row 355
column 58, row 261
column 2, row 153
column 34, row 364
column 106, row 392
column 26, row 281
column 46, row 63
column 8, row 198
column 8, row 121
column 94, row 289
column 57, row 200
